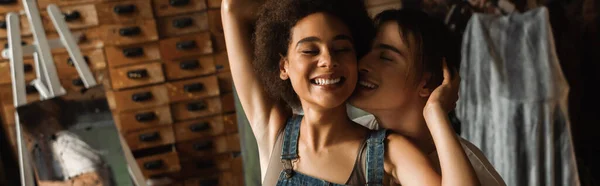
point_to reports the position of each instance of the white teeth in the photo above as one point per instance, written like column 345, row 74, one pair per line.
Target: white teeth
column 320, row 81
column 367, row 84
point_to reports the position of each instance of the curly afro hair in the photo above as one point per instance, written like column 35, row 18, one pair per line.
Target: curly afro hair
column 273, row 33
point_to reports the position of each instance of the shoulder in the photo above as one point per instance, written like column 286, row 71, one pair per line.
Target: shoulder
column 485, row 171
column 368, row 121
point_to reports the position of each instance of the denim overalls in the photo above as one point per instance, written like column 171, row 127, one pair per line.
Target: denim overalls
column 288, row 177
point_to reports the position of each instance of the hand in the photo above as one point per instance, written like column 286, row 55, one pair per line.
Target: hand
column 246, row 10
column 445, row 95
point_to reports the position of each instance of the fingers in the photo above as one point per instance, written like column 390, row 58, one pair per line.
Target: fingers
column 446, row 71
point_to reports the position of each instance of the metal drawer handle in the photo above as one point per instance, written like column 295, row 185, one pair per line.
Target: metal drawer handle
column 30, row 89
column 150, row 137
column 77, row 82
column 133, row 52
column 200, row 127
column 186, row 45
column 182, row 22
column 72, row 16
column 124, row 9
column 145, row 117
column 198, row 106
column 178, row 2
column 130, row 31
column 205, row 164
column 70, row 61
column 139, row 97
column 6, row 45
column 203, row 146
column 189, row 64
column 195, row 87
column 152, row 165
column 211, row 182
column 3, row 24
column 27, row 68
column 6, row 2
column 137, row 74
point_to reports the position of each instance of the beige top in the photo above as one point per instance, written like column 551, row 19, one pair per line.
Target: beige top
column 487, row 175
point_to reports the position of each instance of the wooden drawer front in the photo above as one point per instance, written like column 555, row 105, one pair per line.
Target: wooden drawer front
column 210, row 147
column 225, row 82
column 77, row 17
column 6, row 94
column 186, row 46
column 193, row 166
column 219, row 40
column 230, row 122
column 120, row 56
column 11, row 6
column 29, row 67
column 182, row 24
column 196, row 109
column 186, row 68
column 25, row 29
column 201, row 128
column 137, row 75
column 90, row 39
column 24, row 41
column 222, row 61
column 124, row 11
column 175, row 7
column 11, row 134
column 44, row 3
column 216, row 25
column 197, row 88
column 130, row 33
column 138, row 98
column 66, row 67
column 227, row 102
column 8, row 114
column 159, row 164
column 221, row 179
column 150, row 137
column 73, row 82
column 214, row 4
column 144, row 119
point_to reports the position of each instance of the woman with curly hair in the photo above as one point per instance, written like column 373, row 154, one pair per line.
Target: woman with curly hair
column 293, row 86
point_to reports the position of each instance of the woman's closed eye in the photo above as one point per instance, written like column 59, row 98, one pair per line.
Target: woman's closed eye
column 340, row 50
column 385, row 57
column 310, row 52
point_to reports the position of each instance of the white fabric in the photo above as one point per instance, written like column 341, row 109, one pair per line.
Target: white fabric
column 486, row 173
column 74, row 155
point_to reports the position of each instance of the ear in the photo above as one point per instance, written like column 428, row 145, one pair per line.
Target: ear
column 283, row 66
column 424, row 90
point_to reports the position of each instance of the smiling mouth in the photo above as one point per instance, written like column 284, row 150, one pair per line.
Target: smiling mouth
column 367, row 85
column 328, row 81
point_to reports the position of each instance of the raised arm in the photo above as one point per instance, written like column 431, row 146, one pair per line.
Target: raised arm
column 266, row 118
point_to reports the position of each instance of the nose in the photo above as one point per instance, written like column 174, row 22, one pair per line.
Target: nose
column 327, row 61
column 363, row 65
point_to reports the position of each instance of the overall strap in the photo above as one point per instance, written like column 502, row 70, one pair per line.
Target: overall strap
column 289, row 149
column 375, row 155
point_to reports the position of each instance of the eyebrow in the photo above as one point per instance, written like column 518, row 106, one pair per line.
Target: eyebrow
column 389, row 47
column 315, row 39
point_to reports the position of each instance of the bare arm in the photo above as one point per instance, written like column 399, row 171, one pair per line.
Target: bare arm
column 406, row 164
column 266, row 118
column 456, row 168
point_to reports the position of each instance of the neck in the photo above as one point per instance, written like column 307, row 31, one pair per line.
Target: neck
column 408, row 122
column 320, row 128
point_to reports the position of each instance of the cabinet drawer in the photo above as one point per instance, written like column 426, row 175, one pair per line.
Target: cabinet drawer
column 197, row 88
column 174, row 7
column 151, row 137
column 119, row 56
column 66, row 67
column 186, row 46
column 186, row 68
column 25, row 29
column 209, row 147
column 11, row 6
column 225, row 82
column 228, row 102
column 11, row 135
column 77, row 17
column 28, row 66
column 196, row 108
column 222, row 61
column 216, row 25
column 182, row 24
column 8, row 114
column 201, row 128
column 214, row 4
column 159, row 164
column 137, row 75
column 73, row 83
column 6, row 95
column 124, row 11
column 144, row 119
column 90, row 39
column 222, row 179
column 138, row 98
column 193, row 166
column 130, row 33
column 230, row 122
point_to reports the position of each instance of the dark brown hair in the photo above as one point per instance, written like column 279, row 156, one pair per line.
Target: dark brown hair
column 273, row 33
